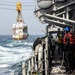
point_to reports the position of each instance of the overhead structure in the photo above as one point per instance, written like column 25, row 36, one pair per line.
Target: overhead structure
column 47, row 3
column 20, row 29
column 56, row 12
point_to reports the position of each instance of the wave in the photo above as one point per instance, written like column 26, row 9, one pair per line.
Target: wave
column 28, row 43
column 4, row 65
column 18, row 44
column 13, row 52
column 10, row 55
column 17, row 49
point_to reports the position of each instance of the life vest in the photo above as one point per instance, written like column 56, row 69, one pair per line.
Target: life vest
column 60, row 38
column 71, row 38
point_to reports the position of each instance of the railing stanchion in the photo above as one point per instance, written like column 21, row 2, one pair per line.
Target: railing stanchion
column 24, row 68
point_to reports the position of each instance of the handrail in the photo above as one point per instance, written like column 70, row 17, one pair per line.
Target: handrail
column 31, row 69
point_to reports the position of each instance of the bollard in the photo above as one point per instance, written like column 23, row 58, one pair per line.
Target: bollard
column 23, row 68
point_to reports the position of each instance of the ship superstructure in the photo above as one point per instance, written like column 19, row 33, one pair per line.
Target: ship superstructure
column 56, row 12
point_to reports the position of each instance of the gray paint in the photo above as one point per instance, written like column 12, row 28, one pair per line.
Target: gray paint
column 61, row 0
column 44, row 4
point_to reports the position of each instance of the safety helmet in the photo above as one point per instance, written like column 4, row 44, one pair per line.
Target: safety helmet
column 67, row 28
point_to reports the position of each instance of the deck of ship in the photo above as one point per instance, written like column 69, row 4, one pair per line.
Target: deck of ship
column 57, row 68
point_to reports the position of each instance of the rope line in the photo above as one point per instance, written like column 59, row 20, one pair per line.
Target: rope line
column 23, row 5
column 14, row 9
column 14, row 2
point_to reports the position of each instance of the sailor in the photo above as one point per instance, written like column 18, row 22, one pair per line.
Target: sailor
column 60, row 43
column 68, row 48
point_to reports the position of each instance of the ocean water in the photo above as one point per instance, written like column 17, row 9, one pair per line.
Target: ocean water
column 14, row 52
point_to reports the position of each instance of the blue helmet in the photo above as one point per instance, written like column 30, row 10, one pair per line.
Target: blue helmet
column 67, row 28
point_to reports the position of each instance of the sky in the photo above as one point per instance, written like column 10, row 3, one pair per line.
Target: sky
column 8, row 17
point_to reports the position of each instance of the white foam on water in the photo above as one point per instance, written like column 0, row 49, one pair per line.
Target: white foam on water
column 10, row 45
column 4, row 66
column 14, row 55
column 28, row 43
column 13, row 52
column 18, row 43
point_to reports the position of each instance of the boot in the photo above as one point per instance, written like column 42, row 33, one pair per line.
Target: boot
column 68, row 72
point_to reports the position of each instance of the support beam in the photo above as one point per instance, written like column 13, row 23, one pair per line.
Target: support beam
column 56, row 23
column 64, row 6
column 59, row 18
column 67, row 13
